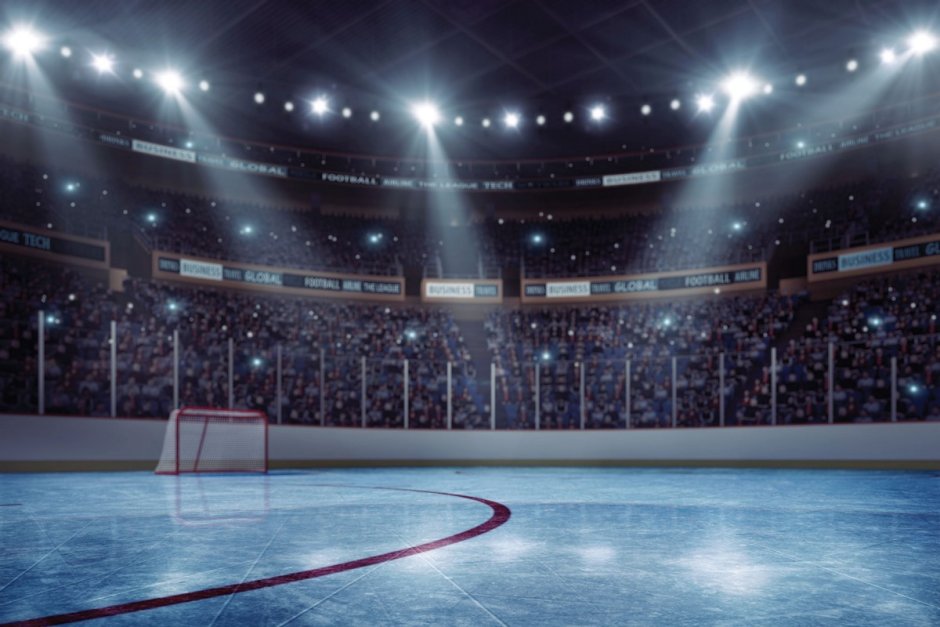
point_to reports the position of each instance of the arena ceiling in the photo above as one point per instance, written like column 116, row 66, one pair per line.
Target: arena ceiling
column 477, row 58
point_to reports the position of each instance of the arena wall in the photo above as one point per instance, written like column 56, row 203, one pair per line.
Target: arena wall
column 37, row 443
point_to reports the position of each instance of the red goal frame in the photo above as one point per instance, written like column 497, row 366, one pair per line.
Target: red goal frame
column 248, row 417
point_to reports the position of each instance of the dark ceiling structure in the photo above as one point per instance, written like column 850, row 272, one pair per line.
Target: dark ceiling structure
column 476, row 58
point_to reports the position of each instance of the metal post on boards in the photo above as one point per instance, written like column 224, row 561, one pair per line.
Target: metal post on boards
column 113, row 369
column 675, row 409
column 231, row 373
column 626, row 392
column 176, row 368
column 362, row 390
column 773, row 385
column 41, row 366
column 406, row 394
column 450, row 397
column 322, row 388
column 721, row 390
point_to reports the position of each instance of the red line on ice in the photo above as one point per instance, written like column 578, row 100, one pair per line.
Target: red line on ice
column 501, row 514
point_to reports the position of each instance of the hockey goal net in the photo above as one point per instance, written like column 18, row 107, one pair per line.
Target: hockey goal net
column 214, row 440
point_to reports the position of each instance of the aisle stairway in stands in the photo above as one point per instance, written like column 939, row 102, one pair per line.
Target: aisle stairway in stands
column 805, row 313
column 474, row 337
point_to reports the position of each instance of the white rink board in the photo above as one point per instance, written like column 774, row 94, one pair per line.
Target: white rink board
column 49, row 438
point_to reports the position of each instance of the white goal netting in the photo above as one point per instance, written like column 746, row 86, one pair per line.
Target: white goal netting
column 214, row 440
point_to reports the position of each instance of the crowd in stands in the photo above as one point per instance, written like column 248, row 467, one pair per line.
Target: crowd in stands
column 823, row 219
column 546, row 349
column 551, row 349
column 541, row 356
column 77, row 316
column 321, row 343
column 192, row 225
column 879, row 319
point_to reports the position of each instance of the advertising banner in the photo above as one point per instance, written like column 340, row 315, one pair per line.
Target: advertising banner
column 291, row 280
column 623, row 288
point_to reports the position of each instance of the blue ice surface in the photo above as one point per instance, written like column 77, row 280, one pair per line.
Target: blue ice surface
column 584, row 546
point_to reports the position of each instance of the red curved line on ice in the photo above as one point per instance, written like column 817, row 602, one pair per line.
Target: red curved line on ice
column 501, row 514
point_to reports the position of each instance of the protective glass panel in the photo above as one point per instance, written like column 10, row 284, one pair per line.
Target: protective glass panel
column 19, row 356
column 515, row 389
column 300, row 385
column 697, row 390
column 427, row 394
column 255, row 377
column 78, row 364
column 203, row 369
column 862, row 382
column 918, row 369
column 470, row 398
column 651, row 389
column 385, row 392
column 801, row 382
column 559, row 400
column 343, row 392
column 144, row 370
column 604, row 394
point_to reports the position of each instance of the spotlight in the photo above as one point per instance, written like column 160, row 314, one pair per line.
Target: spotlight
column 646, row 109
column 426, row 113
column 511, row 120
column 23, row 41
column 374, row 116
column 922, row 204
column 138, row 73
column 800, row 80
column 537, row 238
column 288, row 106
column 204, row 85
column 411, row 334
column 485, row 123
column 540, row 120
column 675, row 104
column 921, row 42
column 102, row 63
column 66, row 52
column 737, row 226
column 568, row 117
column 347, row 112
column 598, row 113
column 769, row 88
column 259, row 98
column 851, row 65
column 256, row 362
column 801, row 144
column 152, row 218
column 888, row 56
column 458, row 121
column 705, row 103
column 546, row 356
column 320, row 105
column 170, row 81
column 739, row 86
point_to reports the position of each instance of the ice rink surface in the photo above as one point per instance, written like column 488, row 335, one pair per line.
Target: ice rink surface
column 581, row 547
